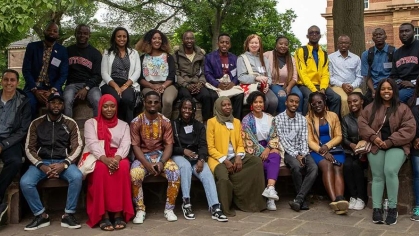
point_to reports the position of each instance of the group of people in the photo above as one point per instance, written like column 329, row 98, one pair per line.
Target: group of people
column 321, row 116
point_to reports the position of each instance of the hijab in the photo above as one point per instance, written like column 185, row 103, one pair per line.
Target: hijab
column 218, row 113
column 104, row 124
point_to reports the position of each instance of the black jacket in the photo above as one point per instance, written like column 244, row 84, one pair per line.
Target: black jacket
column 349, row 132
column 196, row 139
column 21, row 123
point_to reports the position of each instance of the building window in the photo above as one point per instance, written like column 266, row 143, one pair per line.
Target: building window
column 366, row 4
column 417, row 33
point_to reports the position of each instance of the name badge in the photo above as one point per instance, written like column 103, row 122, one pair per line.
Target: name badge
column 234, row 72
column 417, row 101
column 292, row 135
column 229, row 125
column 56, row 62
column 413, row 81
column 188, row 129
column 387, row 65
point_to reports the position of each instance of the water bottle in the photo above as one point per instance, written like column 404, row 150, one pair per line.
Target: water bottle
column 385, row 208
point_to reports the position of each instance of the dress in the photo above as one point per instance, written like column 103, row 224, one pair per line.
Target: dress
column 324, row 138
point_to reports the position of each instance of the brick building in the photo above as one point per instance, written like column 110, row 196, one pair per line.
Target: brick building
column 16, row 53
column 386, row 14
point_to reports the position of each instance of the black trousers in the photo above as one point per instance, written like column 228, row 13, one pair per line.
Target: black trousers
column 12, row 161
column 125, row 102
column 353, row 173
column 204, row 96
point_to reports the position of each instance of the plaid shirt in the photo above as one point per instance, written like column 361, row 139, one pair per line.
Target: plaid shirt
column 293, row 133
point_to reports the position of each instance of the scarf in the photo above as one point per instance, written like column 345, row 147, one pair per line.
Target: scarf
column 218, row 113
column 104, row 124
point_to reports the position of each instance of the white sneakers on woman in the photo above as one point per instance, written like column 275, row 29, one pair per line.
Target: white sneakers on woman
column 356, row 204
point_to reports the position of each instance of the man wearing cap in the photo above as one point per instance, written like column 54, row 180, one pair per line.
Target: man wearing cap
column 52, row 145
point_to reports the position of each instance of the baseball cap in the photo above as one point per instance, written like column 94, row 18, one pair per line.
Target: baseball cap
column 55, row 95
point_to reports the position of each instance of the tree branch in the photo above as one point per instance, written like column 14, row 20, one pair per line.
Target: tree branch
column 167, row 19
column 123, row 8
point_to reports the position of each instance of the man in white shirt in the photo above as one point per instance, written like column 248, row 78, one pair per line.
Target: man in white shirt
column 345, row 72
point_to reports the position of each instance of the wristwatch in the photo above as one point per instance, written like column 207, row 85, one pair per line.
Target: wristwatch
column 87, row 88
column 65, row 166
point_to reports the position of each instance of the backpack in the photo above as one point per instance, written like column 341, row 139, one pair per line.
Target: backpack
column 305, row 50
column 371, row 53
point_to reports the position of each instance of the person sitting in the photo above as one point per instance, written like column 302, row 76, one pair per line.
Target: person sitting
column 313, row 71
column 158, row 68
column 345, row 72
column 83, row 72
column 190, row 154
column 109, row 186
column 389, row 125
column 284, row 73
column 222, row 63
column 15, row 117
column 121, row 68
column 324, row 138
column 261, row 71
column 52, row 145
column 45, row 67
column 238, row 176
column 190, row 61
column 353, row 168
column 261, row 140
column 152, row 143
column 291, row 127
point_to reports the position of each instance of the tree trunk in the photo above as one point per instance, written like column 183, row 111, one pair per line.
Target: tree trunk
column 348, row 18
column 216, row 28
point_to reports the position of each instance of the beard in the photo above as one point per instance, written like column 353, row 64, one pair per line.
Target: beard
column 49, row 38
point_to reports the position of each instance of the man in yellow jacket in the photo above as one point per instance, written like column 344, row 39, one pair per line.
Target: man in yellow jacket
column 313, row 70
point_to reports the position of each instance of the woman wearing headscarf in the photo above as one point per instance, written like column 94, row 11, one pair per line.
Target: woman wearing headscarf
column 190, row 153
column 239, row 176
column 109, row 186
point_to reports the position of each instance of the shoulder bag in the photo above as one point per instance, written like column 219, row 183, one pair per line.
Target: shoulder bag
column 87, row 161
column 363, row 146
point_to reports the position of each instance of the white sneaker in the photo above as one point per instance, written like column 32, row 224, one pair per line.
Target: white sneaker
column 270, row 205
column 352, row 203
column 170, row 215
column 359, row 205
column 139, row 217
column 270, row 193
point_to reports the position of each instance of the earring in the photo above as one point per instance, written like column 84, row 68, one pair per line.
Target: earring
column 251, row 107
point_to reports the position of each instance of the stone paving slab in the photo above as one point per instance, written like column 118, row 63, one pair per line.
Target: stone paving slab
column 317, row 221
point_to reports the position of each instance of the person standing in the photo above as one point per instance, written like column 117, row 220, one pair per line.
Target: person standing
column 83, row 72
column 45, row 68
column 15, row 117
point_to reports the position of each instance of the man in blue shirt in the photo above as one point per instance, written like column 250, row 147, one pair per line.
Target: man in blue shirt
column 380, row 64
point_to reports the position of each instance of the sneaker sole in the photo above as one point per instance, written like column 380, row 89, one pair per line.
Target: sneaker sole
column 334, row 206
column 65, row 225
column 395, row 222
column 412, row 219
column 342, row 205
column 341, row 212
column 4, row 212
column 276, row 198
column 138, row 222
column 218, row 219
column 38, row 227
column 379, row 222
column 357, row 209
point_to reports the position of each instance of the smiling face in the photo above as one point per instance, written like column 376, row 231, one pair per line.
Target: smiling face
column 355, row 103
column 313, row 35
column 108, row 109
column 317, row 104
column 152, row 104
column 186, row 111
column 344, row 43
column 121, row 38
column 282, row 45
column 156, row 41
column 82, row 35
column 9, row 82
column 226, row 107
column 292, row 103
column 189, row 40
column 254, row 45
column 224, row 44
column 386, row 91
column 406, row 34
column 258, row 104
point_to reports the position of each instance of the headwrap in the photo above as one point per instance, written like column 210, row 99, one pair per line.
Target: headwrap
column 103, row 125
column 218, row 113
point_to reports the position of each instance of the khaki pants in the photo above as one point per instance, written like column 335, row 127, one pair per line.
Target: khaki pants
column 344, row 109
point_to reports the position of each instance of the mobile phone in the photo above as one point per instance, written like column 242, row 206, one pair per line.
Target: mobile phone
column 336, row 163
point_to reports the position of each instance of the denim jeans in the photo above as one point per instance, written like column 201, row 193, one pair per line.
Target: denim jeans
column 281, row 99
column 33, row 175
column 205, row 176
column 70, row 91
column 405, row 94
column 415, row 167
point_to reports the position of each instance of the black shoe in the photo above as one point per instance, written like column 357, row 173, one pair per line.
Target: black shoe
column 377, row 216
column 295, row 204
column 305, row 206
column 38, row 222
column 3, row 210
column 392, row 216
column 69, row 221
column 219, row 215
column 187, row 211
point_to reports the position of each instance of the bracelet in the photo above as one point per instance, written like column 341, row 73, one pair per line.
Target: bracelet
column 124, row 85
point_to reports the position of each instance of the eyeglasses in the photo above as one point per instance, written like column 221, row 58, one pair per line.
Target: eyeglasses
column 314, row 104
column 313, row 33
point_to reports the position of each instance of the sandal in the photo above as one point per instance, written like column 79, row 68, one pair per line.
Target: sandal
column 120, row 223
column 106, row 225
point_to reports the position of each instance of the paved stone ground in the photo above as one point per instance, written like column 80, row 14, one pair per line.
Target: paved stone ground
column 319, row 220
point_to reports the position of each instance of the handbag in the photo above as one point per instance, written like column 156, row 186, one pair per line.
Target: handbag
column 333, row 150
column 249, row 88
column 87, row 161
column 363, row 146
column 235, row 90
